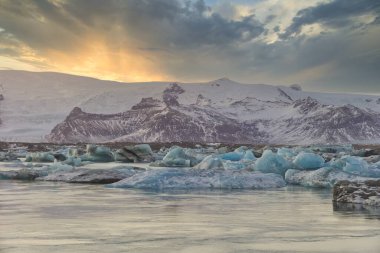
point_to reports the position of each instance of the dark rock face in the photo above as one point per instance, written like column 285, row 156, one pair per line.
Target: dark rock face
column 136, row 153
column 366, row 192
column 155, row 121
column 166, row 120
column 331, row 124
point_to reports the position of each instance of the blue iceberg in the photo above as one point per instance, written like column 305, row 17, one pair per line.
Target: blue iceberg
column 98, row 154
column 176, row 157
column 270, row 162
column 309, row 161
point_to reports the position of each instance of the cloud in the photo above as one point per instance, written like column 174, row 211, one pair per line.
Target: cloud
column 336, row 14
column 142, row 40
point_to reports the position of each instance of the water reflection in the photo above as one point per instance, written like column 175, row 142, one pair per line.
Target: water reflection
column 57, row 217
column 350, row 209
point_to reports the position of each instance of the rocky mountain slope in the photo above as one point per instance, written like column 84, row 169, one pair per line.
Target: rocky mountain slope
column 65, row 108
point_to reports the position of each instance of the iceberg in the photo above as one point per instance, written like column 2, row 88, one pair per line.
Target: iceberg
column 249, row 156
column 210, row 162
column 73, row 161
column 97, row 154
column 40, row 157
column 92, row 176
column 176, row 157
column 22, row 174
column 8, row 157
column 192, row 178
column 287, row 153
column 309, row 161
column 136, row 153
column 270, row 162
column 324, row 177
column 232, row 156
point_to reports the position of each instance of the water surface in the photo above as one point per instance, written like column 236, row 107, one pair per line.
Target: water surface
column 58, row 217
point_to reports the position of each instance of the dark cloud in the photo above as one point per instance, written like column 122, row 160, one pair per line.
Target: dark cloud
column 337, row 13
column 45, row 24
column 189, row 40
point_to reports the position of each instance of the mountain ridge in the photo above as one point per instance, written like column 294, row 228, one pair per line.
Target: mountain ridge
column 36, row 103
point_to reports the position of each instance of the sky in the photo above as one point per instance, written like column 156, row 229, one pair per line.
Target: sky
column 323, row 45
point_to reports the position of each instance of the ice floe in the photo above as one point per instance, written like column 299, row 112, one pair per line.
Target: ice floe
column 192, row 178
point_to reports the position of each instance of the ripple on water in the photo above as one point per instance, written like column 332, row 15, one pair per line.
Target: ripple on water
column 58, row 217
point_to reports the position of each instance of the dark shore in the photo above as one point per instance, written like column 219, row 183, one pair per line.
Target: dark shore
column 46, row 146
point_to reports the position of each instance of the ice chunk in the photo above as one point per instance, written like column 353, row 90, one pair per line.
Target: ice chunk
column 97, row 154
column 176, row 157
column 354, row 165
column 73, row 161
column 365, row 193
column 232, row 156
column 337, row 163
column 241, row 149
column 358, row 166
column 324, row 177
column 248, row 155
column 287, row 153
column 270, row 162
column 22, row 174
column 239, row 165
column 40, row 157
column 191, row 178
column 136, row 153
column 332, row 148
column 57, row 166
column 309, row 161
column 93, row 176
column 210, row 162
column 8, row 156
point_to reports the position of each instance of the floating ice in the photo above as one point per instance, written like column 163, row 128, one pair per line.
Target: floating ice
column 97, row 154
column 358, row 166
column 22, row 174
column 210, row 162
column 248, row 155
column 40, row 157
column 332, row 148
column 57, row 166
column 309, row 161
column 92, row 176
column 176, row 157
column 324, row 177
column 73, row 161
column 8, row 156
column 191, row 178
column 232, row 156
column 287, row 153
column 270, row 162
column 136, row 153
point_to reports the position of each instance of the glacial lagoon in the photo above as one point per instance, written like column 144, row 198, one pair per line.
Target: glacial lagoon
column 39, row 217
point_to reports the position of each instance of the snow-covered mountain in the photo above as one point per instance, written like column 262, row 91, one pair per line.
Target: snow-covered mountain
column 66, row 108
